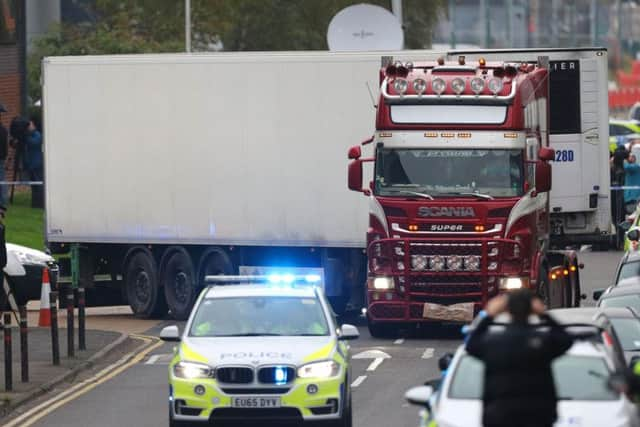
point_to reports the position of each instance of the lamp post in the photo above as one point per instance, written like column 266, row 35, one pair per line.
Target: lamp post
column 187, row 25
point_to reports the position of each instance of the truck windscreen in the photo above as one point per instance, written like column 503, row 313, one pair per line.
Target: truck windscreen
column 449, row 172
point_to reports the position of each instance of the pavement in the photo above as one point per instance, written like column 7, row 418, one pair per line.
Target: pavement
column 138, row 397
column 106, row 329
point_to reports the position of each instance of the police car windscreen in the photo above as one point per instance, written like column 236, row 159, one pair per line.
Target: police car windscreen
column 447, row 172
column 564, row 91
column 575, row 377
column 259, row 316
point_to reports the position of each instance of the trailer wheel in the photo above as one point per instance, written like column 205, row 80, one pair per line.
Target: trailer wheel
column 141, row 285
column 213, row 262
column 178, row 279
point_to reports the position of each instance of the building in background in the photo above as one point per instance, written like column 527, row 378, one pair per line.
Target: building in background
column 12, row 65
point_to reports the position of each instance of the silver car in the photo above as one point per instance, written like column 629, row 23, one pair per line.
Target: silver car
column 581, row 378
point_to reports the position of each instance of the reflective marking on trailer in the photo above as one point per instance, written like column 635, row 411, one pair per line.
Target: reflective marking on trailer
column 358, row 381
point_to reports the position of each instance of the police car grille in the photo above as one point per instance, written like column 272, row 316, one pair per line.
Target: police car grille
column 263, row 414
column 234, row 375
column 276, row 375
column 264, row 390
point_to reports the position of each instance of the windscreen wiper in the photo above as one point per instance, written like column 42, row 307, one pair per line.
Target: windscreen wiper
column 477, row 194
column 415, row 193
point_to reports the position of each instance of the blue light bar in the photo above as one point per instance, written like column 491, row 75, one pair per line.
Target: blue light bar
column 274, row 279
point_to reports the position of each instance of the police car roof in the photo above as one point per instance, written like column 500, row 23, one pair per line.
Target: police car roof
column 260, row 290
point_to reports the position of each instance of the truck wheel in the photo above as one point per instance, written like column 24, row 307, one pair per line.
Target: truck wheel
column 178, row 280
column 142, row 287
column 543, row 286
column 213, row 262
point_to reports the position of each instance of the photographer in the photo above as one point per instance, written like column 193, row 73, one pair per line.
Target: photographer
column 518, row 383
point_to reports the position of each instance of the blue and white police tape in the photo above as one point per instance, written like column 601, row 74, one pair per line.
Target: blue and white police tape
column 626, row 187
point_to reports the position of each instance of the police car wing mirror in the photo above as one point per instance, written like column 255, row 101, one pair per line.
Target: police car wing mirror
column 170, row 333
column 633, row 234
column 419, row 395
column 598, row 293
column 546, row 154
column 348, row 332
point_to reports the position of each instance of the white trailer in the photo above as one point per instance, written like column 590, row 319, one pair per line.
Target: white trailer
column 166, row 168
column 580, row 199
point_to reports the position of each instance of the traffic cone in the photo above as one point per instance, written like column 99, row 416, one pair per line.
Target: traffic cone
column 45, row 309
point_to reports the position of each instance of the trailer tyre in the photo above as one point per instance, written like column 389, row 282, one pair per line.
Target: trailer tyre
column 178, row 280
column 213, row 262
column 142, row 287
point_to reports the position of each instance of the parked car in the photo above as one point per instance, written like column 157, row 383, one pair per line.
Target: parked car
column 626, row 294
column 620, row 131
column 24, row 273
column 622, row 323
column 629, row 266
column 581, row 377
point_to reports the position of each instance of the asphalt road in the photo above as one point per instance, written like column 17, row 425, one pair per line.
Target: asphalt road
column 138, row 397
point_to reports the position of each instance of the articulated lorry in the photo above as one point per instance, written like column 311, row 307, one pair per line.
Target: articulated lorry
column 461, row 205
column 168, row 168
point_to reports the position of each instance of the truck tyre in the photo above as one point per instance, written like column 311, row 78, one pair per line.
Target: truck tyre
column 141, row 284
column 178, row 280
column 213, row 262
column 543, row 286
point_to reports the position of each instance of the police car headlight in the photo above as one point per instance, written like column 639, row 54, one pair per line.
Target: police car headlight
column 325, row 369
column 192, row 370
column 27, row 256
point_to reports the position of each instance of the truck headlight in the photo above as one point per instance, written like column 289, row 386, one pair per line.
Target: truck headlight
column 382, row 283
column 513, row 283
column 325, row 369
column 31, row 257
column 193, row 370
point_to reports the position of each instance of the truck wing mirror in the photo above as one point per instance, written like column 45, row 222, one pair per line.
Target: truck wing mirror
column 355, row 176
column 543, row 176
column 355, row 152
column 546, row 154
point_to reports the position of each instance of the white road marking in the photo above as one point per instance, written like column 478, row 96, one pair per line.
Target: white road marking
column 399, row 341
column 153, row 359
column 372, row 354
column 374, row 365
column 358, row 381
column 428, row 353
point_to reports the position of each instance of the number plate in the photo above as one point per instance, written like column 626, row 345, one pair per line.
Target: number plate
column 462, row 312
column 255, row 402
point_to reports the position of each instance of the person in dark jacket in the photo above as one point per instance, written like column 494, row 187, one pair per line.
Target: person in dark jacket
column 34, row 163
column 518, row 384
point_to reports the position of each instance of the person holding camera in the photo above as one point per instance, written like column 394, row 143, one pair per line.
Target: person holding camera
column 518, row 383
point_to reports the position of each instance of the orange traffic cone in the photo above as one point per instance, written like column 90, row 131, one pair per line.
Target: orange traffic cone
column 45, row 309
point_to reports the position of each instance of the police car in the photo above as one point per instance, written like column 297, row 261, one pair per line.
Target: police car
column 262, row 348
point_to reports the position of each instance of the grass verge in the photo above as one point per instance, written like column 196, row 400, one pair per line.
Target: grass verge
column 24, row 224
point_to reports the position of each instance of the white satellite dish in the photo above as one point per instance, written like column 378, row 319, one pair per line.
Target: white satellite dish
column 365, row 27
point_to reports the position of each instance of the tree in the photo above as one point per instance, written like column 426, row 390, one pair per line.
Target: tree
column 144, row 26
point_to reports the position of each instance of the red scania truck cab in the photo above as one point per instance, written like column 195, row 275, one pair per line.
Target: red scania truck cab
column 458, row 199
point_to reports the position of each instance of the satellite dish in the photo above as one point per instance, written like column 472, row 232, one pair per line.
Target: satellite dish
column 365, row 27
